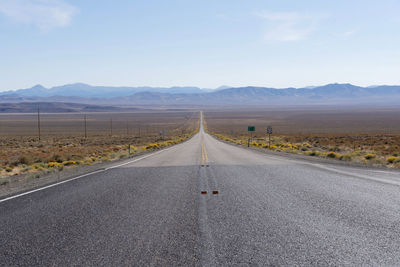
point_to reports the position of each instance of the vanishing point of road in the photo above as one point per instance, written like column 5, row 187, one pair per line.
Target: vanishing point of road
column 208, row 203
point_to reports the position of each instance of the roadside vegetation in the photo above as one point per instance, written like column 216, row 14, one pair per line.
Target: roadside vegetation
column 27, row 155
column 377, row 147
column 376, row 153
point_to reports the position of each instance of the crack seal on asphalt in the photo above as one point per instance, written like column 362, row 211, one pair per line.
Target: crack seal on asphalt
column 206, row 240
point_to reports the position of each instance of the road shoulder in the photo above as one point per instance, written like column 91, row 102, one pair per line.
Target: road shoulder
column 310, row 159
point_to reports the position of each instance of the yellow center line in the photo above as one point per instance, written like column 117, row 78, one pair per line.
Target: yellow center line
column 202, row 152
column 204, row 155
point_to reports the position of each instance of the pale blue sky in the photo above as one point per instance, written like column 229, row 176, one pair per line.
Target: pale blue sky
column 200, row 43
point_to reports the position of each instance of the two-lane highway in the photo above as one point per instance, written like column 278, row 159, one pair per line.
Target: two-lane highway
column 207, row 203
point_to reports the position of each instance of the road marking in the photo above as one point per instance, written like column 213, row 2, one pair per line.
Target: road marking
column 132, row 161
column 387, row 172
column 80, row 176
column 52, row 185
column 376, row 179
column 202, row 152
column 204, row 155
column 347, row 173
column 350, row 172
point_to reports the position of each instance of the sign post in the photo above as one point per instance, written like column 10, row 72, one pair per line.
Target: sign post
column 269, row 132
column 250, row 129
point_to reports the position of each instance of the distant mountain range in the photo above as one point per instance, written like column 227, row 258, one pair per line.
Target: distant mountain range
column 189, row 96
column 50, row 107
column 86, row 90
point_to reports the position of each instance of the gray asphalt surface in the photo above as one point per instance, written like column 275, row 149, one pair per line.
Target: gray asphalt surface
column 269, row 210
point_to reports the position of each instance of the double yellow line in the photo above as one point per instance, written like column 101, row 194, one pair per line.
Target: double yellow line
column 204, row 155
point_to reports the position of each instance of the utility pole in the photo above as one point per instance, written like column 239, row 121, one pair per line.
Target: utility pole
column 38, row 121
column 85, row 126
column 111, row 132
column 269, row 141
column 269, row 132
column 127, row 128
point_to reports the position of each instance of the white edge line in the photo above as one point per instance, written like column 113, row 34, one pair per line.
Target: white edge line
column 322, row 166
column 132, row 161
column 382, row 180
column 48, row 186
column 81, row 176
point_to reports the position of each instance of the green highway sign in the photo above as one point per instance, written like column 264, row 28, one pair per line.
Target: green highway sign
column 251, row 128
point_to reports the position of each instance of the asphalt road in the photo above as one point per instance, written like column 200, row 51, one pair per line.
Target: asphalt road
column 269, row 210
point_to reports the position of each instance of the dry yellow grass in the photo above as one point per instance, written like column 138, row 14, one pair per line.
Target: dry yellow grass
column 334, row 134
column 25, row 154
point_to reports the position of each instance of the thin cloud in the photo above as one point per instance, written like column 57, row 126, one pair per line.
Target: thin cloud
column 288, row 26
column 43, row 14
column 349, row 33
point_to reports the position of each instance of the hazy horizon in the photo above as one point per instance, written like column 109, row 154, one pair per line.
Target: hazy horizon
column 194, row 86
